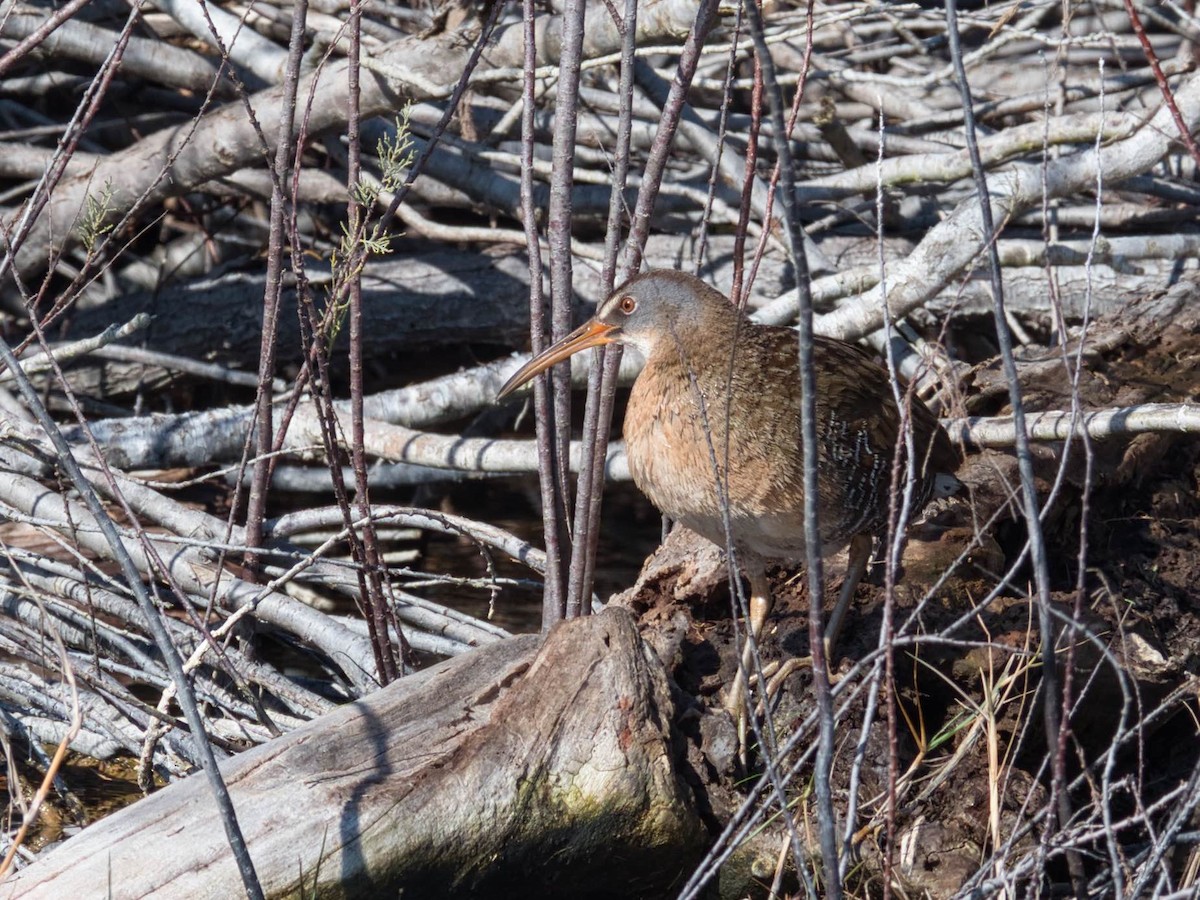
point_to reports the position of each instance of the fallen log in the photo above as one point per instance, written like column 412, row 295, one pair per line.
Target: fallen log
column 527, row 766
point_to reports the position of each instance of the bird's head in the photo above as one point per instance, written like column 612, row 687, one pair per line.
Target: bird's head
column 645, row 311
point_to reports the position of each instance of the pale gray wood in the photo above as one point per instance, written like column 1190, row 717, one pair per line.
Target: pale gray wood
column 523, row 766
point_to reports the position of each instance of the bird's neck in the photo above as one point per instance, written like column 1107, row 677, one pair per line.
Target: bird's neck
column 701, row 342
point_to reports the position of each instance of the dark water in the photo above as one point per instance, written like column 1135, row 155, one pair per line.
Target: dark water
column 630, row 530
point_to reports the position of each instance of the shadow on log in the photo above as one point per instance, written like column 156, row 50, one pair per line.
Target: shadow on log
column 530, row 767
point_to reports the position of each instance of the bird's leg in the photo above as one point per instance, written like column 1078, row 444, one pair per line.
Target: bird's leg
column 860, row 556
column 760, row 608
column 760, row 600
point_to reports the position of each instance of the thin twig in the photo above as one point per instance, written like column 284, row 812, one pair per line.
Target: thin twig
column 39, row 362
column 153, row 616
column 823, row 767
column 256, row 505
column 1052, row 700
column 602, row 379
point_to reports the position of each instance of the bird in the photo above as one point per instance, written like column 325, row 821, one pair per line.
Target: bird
column 712, row 430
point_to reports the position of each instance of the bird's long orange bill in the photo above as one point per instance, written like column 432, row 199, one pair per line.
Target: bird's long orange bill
column 590, row 334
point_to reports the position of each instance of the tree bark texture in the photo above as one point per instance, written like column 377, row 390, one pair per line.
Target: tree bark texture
column 525, row 767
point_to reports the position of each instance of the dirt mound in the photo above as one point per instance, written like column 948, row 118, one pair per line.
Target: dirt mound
column 958, row 728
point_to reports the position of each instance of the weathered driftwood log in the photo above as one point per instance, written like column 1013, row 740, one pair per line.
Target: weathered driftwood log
column 525, row 766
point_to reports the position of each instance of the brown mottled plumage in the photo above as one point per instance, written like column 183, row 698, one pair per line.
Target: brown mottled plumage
column 714, row 379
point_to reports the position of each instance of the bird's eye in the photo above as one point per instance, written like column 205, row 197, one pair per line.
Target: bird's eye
column 628, row 305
